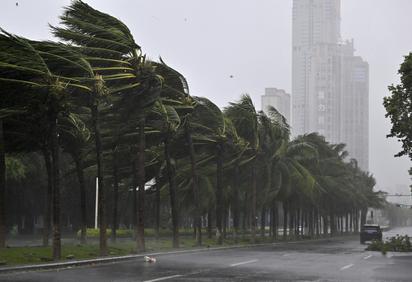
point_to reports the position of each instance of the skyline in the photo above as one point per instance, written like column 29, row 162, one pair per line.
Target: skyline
column 209, row 52
column 330, row 83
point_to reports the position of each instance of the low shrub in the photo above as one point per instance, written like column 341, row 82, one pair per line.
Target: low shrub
column 94, row 233
column 128, row 233
column 394, row 244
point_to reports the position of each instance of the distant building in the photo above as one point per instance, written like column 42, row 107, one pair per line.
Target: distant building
column 355, row 105
column 278, row 99
column 330, row 85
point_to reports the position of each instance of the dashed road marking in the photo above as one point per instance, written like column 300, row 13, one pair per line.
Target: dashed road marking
column 367, row 257
column 243, row 262
column 347, row 266
column 164, row 278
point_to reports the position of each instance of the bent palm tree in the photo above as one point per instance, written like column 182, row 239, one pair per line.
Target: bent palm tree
column 109, row 46
column 42, row 71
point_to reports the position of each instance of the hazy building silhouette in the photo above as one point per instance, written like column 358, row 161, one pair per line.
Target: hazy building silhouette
column 330, row 85
column 355, row 105
column 279, row 99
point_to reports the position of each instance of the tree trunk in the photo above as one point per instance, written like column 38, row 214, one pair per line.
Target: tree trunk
column 80, row 176
column 195, row 186
column 115, row 197
column 135, row 184
column 224, row 222
column 364, row 213
column 172, row 191
column 267, row 188
column 56, row 187
column 254, row 187
column 285, row 220
column 262, row 222
column 325, row 225
column 142, row 181
column 100, row 178
column 2, row 189
column 236, row 210
column 209, row 223
column 157, row 212
column 347, row 223
column 49, row 198
column 219, row 192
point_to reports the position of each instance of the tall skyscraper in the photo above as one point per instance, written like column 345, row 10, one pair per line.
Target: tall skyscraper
column 325, row 93
column 355, row 105
column 279, row 99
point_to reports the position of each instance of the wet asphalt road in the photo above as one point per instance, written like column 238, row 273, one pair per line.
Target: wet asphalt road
column 330, row 260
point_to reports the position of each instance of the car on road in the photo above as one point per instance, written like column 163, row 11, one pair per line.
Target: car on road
column 370, row 232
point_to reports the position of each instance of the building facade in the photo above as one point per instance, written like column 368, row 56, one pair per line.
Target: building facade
column 279, row 99
column 329, row 83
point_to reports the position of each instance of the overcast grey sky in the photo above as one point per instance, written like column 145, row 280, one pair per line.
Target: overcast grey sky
column 211, row 40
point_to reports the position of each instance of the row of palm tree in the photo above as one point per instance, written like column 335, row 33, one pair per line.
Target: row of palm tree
column 94, row 96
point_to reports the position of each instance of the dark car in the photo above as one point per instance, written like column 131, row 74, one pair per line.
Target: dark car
column 370, row 232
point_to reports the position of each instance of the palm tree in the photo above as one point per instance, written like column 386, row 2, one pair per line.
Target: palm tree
column 273, row 133
column 75, row 140
column 110, row 48
column 46, row 68
column 245, row 119
column 209, row 132
column 168, row 122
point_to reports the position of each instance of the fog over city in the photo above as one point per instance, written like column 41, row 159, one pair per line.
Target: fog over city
column 225, row 48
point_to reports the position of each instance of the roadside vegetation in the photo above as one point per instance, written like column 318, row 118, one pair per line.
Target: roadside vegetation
column 398, row 243
column 91, row 104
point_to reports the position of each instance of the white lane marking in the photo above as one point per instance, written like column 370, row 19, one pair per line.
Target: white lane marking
column 347, row 266
column 367, row 257
column 243, row 262
column 389, row 255
column 163, row 278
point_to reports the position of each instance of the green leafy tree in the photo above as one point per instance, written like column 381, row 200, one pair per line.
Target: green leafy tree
column 398, row 108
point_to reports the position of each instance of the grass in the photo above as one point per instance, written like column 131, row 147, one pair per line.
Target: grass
column 35, row 255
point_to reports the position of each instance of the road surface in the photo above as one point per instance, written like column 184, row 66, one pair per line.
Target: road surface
column 342, row 259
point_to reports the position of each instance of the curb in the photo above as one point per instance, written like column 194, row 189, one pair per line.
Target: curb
column 67, row 264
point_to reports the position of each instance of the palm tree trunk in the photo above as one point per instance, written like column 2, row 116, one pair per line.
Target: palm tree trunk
column 364, row 213
column 351, row 221
column 115, row 197
column 267, row 188
column 172, row 190
column 285, row 220
column 157, row 212
column 56, row 186
column 224, row 222
column 254, row 188
column 346, row 222
column 142, row 181
column 209, row 223
column 100, row 178
column 219, row 192
column 80, row 175
column 274, row 221
column 134, row 195
column 195, row 187
column 2, row 189
column 236, row 210
column 49, row 197
column 262, row 222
